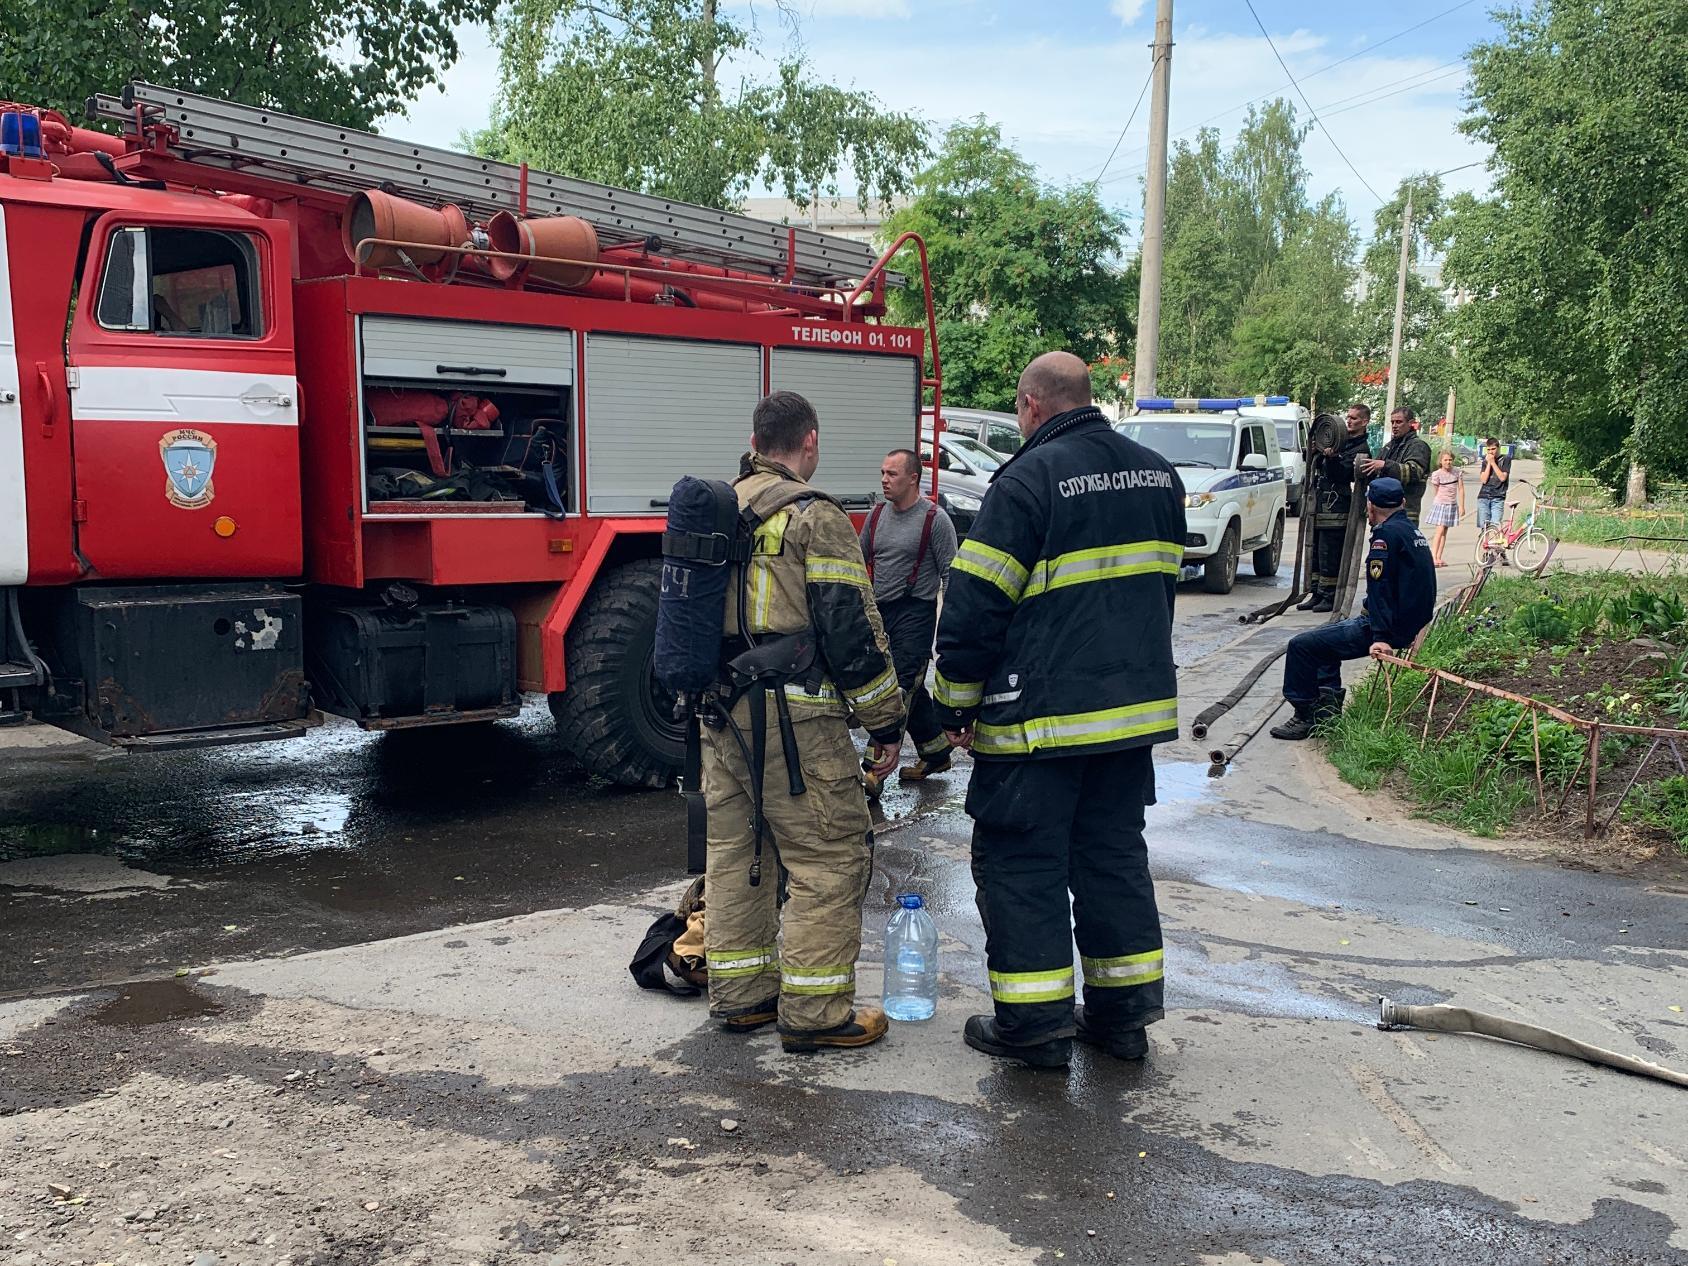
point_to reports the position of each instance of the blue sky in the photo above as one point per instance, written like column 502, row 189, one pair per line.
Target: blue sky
column 1061, row 77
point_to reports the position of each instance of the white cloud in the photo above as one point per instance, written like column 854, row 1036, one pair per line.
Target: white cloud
column 1068, row 132
column 1127, row 11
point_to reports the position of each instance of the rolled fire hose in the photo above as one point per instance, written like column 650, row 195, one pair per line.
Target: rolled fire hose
column 1395, row 1015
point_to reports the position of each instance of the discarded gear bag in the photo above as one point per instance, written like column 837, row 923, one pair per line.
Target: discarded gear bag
column 671, row 956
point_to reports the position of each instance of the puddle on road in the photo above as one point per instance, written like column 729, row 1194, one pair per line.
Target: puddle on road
column 154, row 1002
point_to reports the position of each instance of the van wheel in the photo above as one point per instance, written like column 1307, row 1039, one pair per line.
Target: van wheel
column 614, row 717
column 1267, row 556
column 1219, row 573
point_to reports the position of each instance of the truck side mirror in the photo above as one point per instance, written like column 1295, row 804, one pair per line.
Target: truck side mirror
column 1254, row 461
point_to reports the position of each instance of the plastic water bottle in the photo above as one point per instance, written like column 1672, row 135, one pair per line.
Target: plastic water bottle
column 911, row 961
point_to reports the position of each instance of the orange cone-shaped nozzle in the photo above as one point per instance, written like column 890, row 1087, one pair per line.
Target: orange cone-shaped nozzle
column 373, row 214
column 549, row 242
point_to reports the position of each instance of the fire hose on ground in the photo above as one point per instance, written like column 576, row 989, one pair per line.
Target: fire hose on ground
column 1348, row 577
column 1440, row 1019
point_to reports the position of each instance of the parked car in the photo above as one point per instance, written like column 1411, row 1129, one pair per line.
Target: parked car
column 1291, row 422
column 1234, row 484
column 963, row 477
column 999, row 432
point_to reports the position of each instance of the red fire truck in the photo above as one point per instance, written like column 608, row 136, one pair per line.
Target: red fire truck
column 298, row 419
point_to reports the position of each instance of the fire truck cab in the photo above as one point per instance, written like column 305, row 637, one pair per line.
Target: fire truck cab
column 296, row 420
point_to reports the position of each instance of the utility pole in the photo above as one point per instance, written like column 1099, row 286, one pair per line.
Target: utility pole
column 1154, row 209
column 1400, row 307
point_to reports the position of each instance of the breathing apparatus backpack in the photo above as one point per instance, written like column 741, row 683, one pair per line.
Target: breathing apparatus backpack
column 704, row 553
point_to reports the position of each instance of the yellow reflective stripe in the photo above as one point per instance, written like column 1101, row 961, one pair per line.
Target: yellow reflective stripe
column 1080, row 729
column 802, row 694
column 819, row 568
column 998, row 567
column 769, row 538
column 956, row 694
column 768, row 541
column 1128, row 969
column 1032, row 986
column 812, row 982
column 730, row 964
column 1106, row 562
column 934, row 746
column 874, row 691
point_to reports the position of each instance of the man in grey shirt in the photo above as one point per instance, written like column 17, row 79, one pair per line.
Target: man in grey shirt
column 909, row 543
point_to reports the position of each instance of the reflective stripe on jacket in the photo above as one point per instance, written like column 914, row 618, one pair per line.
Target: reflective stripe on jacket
column 806, row 570
column 1056, row 634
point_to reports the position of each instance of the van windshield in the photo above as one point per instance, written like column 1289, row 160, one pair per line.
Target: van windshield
column 1183, row 442
column 1287, row 440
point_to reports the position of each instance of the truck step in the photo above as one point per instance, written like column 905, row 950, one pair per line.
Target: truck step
column 218, row 738
column 15, row 676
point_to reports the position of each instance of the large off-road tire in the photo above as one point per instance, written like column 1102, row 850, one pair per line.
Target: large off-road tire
column 614, row 717
column 1219, row 573
column 1267, row 557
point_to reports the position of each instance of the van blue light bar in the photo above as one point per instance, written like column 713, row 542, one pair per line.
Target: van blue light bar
column 1206, row 404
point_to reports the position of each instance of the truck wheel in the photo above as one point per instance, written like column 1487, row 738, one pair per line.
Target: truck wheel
column 1219, row 573
column 1267, row 556
column 614, row 717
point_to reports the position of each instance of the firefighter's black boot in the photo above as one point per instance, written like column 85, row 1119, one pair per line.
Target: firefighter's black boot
column 1300, row 725
column 1314, row 597
column 1326, row 602
column 981, row 1034
column 1124, row 1044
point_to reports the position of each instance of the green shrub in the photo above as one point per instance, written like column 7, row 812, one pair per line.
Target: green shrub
column 1543, row 621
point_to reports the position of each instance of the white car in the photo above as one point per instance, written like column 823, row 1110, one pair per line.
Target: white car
column 1234, row 484
column 999, row 432
column 1291, row 422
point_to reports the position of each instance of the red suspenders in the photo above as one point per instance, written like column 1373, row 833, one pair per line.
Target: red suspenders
column 920, row 554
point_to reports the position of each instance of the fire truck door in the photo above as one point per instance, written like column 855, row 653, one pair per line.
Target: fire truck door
column 184, row 403
column 14, row 523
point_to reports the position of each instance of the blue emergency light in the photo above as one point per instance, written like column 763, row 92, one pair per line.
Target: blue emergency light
column 1206, row 404
column 20, row 134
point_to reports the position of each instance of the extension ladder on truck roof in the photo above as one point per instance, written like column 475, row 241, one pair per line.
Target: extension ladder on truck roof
column 210, row 132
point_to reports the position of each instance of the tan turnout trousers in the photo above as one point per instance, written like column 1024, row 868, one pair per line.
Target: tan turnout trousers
column 807, row 960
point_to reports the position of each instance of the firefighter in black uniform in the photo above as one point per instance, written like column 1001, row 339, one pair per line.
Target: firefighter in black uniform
column 1400, row 599
column 1333, row 472
column 1055, row 667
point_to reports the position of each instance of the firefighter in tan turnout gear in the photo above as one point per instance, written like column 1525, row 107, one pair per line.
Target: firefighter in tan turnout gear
column 805, row 574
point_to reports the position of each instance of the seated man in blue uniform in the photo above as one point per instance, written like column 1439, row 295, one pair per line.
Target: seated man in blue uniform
column 1400, row 599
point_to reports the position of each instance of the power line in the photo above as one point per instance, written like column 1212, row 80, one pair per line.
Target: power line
column 1132, row 119
column 1433, row 72
column 1314, row 113
column 1369, row 48
column 1356, row 104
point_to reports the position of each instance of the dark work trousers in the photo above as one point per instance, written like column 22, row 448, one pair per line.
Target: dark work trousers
column 1329, row 533
column 1314, row 660
column 910, row 625
column 1042, row 829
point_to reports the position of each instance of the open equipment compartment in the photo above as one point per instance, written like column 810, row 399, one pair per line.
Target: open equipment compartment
column 462, row 417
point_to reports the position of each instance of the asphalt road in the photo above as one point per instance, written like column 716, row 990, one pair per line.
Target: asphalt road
column 418, row 1043
column 344, row 836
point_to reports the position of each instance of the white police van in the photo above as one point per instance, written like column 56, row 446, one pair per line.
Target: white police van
column 1234, row 481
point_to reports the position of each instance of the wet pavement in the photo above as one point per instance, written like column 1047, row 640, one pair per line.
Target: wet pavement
column 417, row 1041
column 344, row 836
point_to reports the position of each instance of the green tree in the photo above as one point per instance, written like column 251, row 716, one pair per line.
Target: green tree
column 1576, row 266
column 347, row 62
column 1296, row 332
column 1427, row 361
column 1017, row 268
column 630, row 93
column 1255, row 278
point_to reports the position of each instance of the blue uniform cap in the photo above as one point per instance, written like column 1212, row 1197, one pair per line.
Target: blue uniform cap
column 1386, row 492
